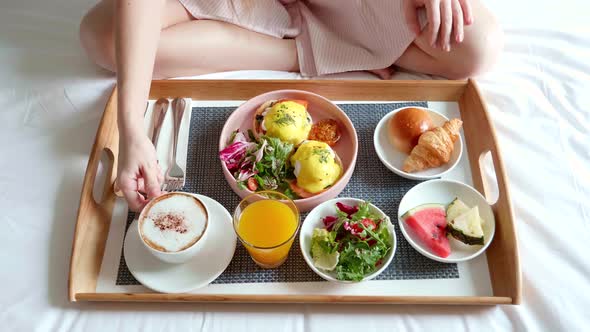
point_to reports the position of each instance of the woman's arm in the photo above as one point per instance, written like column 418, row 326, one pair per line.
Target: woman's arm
column 137, row 32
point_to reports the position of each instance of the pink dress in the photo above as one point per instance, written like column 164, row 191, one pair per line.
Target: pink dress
column 332, row 36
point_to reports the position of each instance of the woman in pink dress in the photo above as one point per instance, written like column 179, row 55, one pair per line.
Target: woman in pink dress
column 145, row 39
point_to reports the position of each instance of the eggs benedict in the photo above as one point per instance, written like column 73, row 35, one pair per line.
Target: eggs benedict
column 316, row 167
column 287, row 120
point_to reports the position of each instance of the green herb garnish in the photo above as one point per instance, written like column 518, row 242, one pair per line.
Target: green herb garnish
column 284, row 119
column 322, row 154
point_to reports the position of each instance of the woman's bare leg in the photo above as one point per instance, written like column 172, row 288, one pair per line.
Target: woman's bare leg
column 220, row 47
column 188, row 47
column 477, row 53
column 191, row 47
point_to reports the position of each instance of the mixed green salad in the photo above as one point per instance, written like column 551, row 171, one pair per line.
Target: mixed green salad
column 259, row 163
column 353, row 243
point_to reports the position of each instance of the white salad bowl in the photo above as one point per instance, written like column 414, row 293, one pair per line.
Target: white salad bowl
column 443, row 192
column 314, row 220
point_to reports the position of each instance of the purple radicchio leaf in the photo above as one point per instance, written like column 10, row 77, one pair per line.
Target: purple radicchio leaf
column 233, row 154
column 329, row 222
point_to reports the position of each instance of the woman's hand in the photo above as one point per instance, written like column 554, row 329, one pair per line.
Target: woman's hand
column 446, row 19
column 139, row 175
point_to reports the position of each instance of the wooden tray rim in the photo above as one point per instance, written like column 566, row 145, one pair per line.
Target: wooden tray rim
column 93, row 219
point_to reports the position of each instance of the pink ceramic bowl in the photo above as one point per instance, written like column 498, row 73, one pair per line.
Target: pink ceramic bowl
column 319, row 108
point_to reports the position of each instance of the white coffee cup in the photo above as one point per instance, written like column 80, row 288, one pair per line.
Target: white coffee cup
column 173, row 227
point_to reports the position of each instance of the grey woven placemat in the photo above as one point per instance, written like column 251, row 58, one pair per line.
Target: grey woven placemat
column 370, row 181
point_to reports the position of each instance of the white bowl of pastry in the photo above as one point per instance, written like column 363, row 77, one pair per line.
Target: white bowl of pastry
column 418, row 143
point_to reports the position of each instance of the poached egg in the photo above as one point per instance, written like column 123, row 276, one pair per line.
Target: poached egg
column 287, row 120
column 315, row 166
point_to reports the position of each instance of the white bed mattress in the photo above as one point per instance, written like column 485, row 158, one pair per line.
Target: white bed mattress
column 51, row 99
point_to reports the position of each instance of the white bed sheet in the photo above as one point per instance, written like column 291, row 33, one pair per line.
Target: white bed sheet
column 51, row 100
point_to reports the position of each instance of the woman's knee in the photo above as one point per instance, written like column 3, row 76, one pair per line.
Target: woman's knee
column 97, row 35
column 479, row 51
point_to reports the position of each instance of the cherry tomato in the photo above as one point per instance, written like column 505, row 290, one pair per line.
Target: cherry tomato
column 252, row 184
column 368, row 223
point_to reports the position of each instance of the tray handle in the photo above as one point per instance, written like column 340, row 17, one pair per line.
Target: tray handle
column 502, row 255
column 94, row 218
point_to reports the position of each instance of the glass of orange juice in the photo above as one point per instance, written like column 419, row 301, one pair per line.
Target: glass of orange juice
column 266, row 224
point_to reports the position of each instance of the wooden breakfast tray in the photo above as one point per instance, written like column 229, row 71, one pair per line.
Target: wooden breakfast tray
column 94, row 218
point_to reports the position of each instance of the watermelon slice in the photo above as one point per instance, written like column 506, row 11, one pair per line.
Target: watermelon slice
column 429, row 223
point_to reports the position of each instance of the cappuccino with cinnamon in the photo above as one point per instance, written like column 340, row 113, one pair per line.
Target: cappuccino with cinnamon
column 173, row 223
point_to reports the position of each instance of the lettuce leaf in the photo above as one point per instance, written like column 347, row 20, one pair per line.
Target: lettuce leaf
column 324, row 249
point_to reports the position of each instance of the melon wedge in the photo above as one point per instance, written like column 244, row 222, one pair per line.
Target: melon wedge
column 467, row 227
column 455, row 209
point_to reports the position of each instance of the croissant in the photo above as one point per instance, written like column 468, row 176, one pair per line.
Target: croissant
column 434, row 147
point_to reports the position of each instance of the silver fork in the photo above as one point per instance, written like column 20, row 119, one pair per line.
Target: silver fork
column 174, row 179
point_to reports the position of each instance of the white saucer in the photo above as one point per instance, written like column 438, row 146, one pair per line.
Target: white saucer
column 201, row 270
column 443, row 192
column 394, row 159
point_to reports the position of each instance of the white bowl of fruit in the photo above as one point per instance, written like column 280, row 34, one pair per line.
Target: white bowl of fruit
column 446, row 221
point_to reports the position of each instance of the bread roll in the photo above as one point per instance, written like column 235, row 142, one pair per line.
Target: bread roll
column 406, row 126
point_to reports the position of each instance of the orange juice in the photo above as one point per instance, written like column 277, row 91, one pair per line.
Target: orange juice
column 268, row 227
